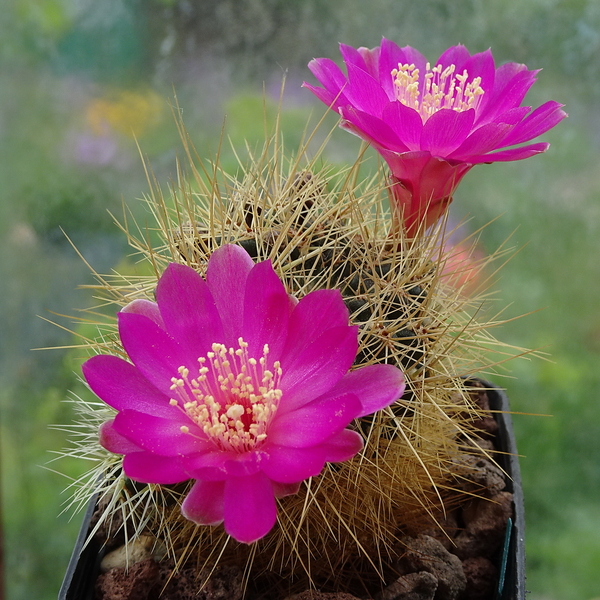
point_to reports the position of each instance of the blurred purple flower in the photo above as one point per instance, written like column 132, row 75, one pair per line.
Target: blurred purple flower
column 432, row 124
column 237, row 385
column 99, row 150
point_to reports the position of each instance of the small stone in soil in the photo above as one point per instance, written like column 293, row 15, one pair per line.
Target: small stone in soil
column 414, row 586
column 485, row 525
column 476, row 473
column 481, row 576
column 132, row 584
column 425, row 553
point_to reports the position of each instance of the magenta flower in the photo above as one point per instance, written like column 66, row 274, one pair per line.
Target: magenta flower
column 433, row 124
column 235, row 384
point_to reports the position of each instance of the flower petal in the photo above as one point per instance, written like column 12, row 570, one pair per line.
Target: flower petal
column 371, row 60
column 153, row 351
column 343, row 446
column 511, row 154
column 317, row 368
column 266, row 311
column 455, row 55
column 485, row 139
column 376, row 386
column 114, row 442
column 249, row 507
column 446, row 130
column 226, row 275
column 204, row 503
column 160, row 436
column 405, row 122
column 539, row 121
column 328, row 73
column 122, row 386
column 511, row 84
column 149, row 468
column 371, row 129
column 285, row 489
column 290, row 465
column 364, row 92
column 189, row 310
column 147, row 308
column 390, row 56
column 316, row 312
column 315, row 422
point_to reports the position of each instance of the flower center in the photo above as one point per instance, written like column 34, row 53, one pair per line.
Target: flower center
column 232, row 398
column 441, row 89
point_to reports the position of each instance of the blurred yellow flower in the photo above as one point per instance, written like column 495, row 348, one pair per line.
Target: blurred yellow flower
column 128, row 113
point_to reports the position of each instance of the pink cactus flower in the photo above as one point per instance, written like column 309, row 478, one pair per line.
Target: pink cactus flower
column 236, row 385
column 433, row 124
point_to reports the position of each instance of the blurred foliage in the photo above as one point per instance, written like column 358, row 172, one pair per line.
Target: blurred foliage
column 82, row 82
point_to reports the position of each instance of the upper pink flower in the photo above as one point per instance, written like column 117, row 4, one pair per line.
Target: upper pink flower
column 432, row 124
column 235, row 384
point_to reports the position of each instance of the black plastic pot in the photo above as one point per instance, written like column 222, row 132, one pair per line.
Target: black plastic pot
column 83, row 567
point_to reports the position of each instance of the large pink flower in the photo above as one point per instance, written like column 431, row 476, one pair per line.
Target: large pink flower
column 235, row 384
column 432, row 124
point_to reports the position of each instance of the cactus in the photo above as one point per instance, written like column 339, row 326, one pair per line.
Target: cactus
column 321, row 228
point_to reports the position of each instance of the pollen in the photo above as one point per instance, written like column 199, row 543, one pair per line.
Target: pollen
column 232, row 396
column 440, row 88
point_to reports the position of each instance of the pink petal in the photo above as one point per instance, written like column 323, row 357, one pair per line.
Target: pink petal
column 243, row 464
column 204, row 503
column 153, row 351
column 372, row 129
column 482, row 65
column 226, row 275
column 539, row 121
column 122, row 386
column 445, row 130
column 249, row 507
column 512, row 82
column 115, row 442
column 285, row 489
column 343, row 446
column 364, row 92
column 390, row 55
column 290, row 465
column 376, row 386
column 208, row 465
column 353, row 56
column 511, row 154
column 328, row 73
column 485, row 139
column 160, row 436
column 315, row 422
column 317, row 368
column 371, row 60
column 455, row 55
column 406, row 122
column 330, row 99
column 315, row 313
column 149, row 468
column 147, row 308
column 513, row 116
column 189, row 310
column 266, row 311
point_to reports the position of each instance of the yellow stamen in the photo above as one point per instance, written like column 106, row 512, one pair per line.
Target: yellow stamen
column 441, row 89
column 233, row 399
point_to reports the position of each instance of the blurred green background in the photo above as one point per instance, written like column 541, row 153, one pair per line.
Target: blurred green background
column 81, row 79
